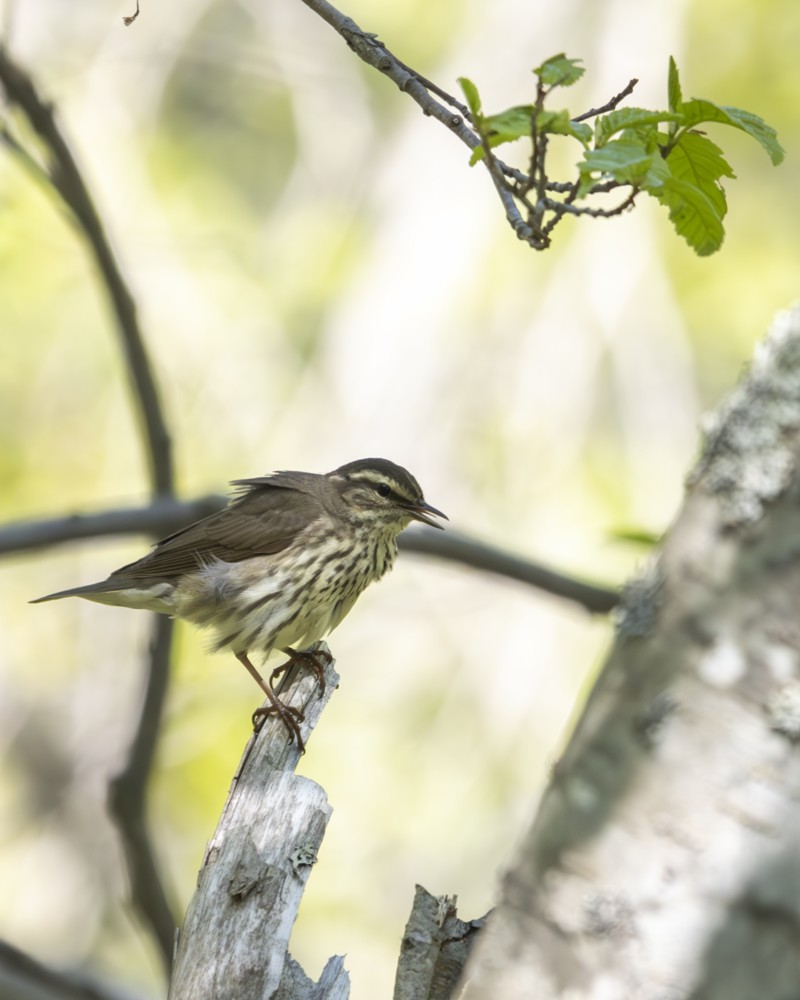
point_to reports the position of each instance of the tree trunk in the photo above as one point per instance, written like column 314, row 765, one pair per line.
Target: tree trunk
column 664, row 859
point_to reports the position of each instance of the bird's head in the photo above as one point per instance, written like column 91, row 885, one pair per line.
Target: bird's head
column 378, row 493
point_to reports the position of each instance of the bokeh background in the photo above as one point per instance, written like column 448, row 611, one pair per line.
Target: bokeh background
column 322, row 277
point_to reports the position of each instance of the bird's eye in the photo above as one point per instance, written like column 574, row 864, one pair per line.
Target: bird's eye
column 383, row 490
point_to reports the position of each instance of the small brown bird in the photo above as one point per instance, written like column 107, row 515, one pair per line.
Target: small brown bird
column 281, row 565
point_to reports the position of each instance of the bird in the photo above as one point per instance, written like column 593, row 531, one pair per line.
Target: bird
column 279, row 567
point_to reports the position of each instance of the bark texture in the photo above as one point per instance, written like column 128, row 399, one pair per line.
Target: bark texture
column 436, row 944
column 233, row 944
column 664, row 861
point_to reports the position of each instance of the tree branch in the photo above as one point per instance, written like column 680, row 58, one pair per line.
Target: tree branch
column 127, row 797
column 163, row 516
column 458, row 547
column 23, row 978
column 373, row 52
column 609, row 105
column 534, row 231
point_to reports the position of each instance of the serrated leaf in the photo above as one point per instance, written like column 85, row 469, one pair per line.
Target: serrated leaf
column 696, row 111
column 699, row 161
column 559, row 71
column 505, row 126
column 693, row 214
column 472, row 96
column 512, row 123
column 645, row 135
column 674, row 95
column 628, row 162
column 560, row 123
column 616, row 121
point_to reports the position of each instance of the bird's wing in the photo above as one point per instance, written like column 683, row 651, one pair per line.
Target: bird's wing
column 258, row 523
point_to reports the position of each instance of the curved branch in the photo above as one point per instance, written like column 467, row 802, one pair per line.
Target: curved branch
column 127, row 795
column 373, row 52
column 160, row 517
column 128, row 792
column 23, row 978
column 165, row 515
column 460, row 548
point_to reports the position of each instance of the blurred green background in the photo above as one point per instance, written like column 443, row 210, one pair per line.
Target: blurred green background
column 321, row 277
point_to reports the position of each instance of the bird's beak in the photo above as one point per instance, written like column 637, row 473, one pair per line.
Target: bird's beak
column 421, row 511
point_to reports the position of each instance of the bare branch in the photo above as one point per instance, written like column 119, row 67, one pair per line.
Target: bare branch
column 128, row 21
column 160, row 517
column 127, row 799
column 165, row 515
column 128, row 791
column 367, row 47
column 460, row 548
column 609, row 105
column 23, row 978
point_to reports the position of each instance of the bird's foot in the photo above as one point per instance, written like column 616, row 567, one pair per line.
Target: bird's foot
column 316, row 659
column 289, row 715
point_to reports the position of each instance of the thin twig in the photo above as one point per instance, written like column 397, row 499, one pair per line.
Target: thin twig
column 163, row 516
column 460, row 107
column 128, row 21
column 609, row 105
column 565, row 208
column 367, row 47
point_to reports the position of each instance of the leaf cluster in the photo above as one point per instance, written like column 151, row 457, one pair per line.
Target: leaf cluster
column 660, row 152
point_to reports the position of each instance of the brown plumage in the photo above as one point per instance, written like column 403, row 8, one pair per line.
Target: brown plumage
column 282, row 564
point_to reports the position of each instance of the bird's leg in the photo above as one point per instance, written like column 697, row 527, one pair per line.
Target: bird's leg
column 311, row 657
column 290, row 716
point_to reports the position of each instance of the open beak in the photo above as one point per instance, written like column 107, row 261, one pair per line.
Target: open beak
column 421, row 511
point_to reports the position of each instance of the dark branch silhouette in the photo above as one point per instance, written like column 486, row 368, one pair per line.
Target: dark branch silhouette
column 127, row 800
column 163, row 516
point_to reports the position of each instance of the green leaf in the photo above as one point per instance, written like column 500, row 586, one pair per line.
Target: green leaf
column 560, row 123
column 615, row 121
column 638, row 536
column 512, row 123
column 472, row 96
column 628, row 162
column 697, row 160
column 675, row 97
column 505, row 126
column 559, row 71
column 696, row 111
column 693, row 214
